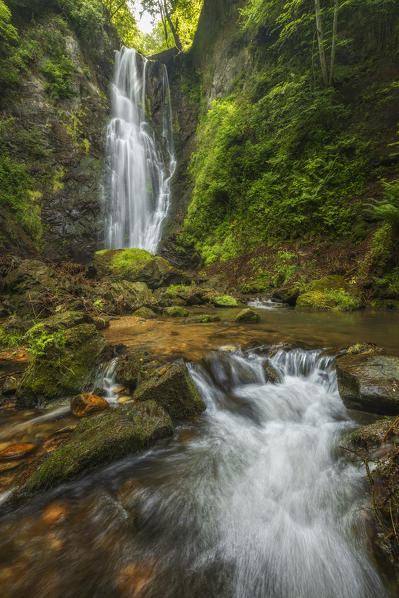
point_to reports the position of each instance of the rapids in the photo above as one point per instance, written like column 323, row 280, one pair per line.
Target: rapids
column 254, row 500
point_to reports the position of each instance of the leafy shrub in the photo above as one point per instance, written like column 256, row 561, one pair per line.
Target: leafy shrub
column 59, row 75
column 387, row 209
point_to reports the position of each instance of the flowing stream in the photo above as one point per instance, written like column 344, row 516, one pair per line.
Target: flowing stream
column 254, row 500
column 141, row 162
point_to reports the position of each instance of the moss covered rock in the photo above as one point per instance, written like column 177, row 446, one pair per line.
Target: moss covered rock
column 57, row 322
column 174, row 390
column 136, row 265
column 145, row 312
column 369, row 382
column 190, row 294
column 101, row 439
column 327, row 283
column 176, row 311
column 129, row 366
column 124, row 297
column 203, row 319
column 247, row 315
column 224, row 301
column 328, row 300
column 62, row 364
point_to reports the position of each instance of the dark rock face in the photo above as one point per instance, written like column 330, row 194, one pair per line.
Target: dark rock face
column 369, row 382
column 174, row 390
column 69, row 133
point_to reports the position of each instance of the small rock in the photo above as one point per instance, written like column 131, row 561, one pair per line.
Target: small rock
column 145, row 312
column 85, row 404
column 247, row 315
column 272, row 374
column 17, row 451
column 118, row 389
column 224, row 301
column 203, row 319
column 134, row 578
column 54, row 513
column 124, row 399
column 176, row 311
column 7, row 466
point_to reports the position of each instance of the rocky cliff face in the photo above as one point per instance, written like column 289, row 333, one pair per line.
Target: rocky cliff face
column 53, row 124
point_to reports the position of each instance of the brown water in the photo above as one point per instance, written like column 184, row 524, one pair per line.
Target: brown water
column 251, row 501
column 172, row 337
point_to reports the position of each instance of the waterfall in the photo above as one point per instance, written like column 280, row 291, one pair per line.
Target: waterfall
column 140, row 161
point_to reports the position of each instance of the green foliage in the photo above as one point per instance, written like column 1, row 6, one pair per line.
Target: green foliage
column 39, row 343
column 11, row 340
column 387, row 209
column 282, row 158
column 59, row 76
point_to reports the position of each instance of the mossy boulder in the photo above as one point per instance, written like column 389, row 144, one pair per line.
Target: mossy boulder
column 328, row 300
column 145, row 312
column 136, row 265
column 287, row 295
column 369, row 382
column 176, row 311
column 62, row 365
column 247, row 315
column 190, row 294
column 373, row 435
column 57, row 322
column 28, row 286
column 224, row 301
column 124, row 297
column 174, row 390
column 129, row 366
column 202, row 319
column 327, row 283
column 101, row 439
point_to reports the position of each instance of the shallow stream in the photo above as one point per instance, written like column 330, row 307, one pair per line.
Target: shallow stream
column 253, row 500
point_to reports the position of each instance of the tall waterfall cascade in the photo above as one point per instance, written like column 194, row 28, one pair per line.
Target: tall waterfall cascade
column 141, row 160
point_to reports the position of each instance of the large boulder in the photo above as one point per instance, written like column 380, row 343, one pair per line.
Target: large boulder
column 174, row 390
column 62, row 364
column 101, row 439
column 124, row 297
column 128, row 370
column 369, row 382
column 136, row 265
column 247, row 315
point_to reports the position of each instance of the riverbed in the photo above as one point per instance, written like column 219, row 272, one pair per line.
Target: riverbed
column 255, row 499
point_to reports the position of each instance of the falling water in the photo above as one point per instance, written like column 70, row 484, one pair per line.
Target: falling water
column 141, row 163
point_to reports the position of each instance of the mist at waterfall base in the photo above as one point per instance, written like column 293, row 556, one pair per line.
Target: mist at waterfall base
column 140, row 159
column 254, row 500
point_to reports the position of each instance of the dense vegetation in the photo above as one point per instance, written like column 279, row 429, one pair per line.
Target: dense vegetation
column 291, row 154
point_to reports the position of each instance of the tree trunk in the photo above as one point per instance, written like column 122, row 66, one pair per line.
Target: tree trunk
column 333, row 42
column 165, row 28
column 172, row 28
column 322, row 55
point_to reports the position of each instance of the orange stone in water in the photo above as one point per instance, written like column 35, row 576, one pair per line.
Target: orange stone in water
column 17, row 451
column 54, row 513
column 85, row 404
column 134, row 578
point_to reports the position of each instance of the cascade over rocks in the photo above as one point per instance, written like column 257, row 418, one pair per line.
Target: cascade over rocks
column 174, row 390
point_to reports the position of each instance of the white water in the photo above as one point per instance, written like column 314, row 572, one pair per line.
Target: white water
column 140, row 164
column 261, row 504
